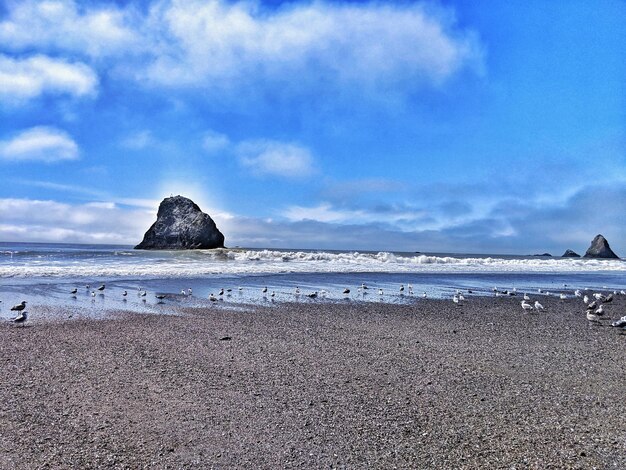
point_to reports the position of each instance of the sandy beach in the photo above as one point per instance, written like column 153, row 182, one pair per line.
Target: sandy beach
column 313, row 385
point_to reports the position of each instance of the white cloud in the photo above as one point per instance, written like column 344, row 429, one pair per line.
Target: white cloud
column 45, row 144
column 216, row 42
column 276, row 158
column 215, row 141
column 322, row 213
column 139, row 140
column 95, row 222
column 63, row 25
column 222, row 45
column 23, row 79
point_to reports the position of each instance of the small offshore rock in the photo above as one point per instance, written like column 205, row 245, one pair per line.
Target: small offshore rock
column 570, row 254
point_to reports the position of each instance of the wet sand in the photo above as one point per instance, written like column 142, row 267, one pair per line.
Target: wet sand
column 428, row 385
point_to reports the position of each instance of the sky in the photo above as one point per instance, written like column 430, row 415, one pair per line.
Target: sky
column 439, row 126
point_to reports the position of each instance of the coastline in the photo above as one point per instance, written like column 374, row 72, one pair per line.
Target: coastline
column 351, row 385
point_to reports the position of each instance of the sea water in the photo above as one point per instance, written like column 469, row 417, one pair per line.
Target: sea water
column 44, row 274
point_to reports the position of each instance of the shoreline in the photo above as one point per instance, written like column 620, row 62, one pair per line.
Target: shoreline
column 356, row 385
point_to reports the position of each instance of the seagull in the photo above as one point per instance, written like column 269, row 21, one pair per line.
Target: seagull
column 297, row 291
column 598, row 296
column 73, row 291
column 312, row 295
column 346, row 291
column 264, row 290
column 424, row 295
column 212, row 298
column 19, row 307
column 124, row 294
column 608, row 299
column 21, row 318
column 189, row 291
column 592, row 316
column 143, row 293
column 622, row 292
column 526, row 297
column 183, row 292
column 240, row 289
column 363, row 286
column 401, row 288
column 563, row 296
column 273, row 294
column 160, row 296
column 578, row 293
column 455, row 299
column 380, row 292
column 526, row 306
column 592, row 305
column 410, row 287
column 221, row 291
column 586, row 299
column 538, row 306
column 93, row 293
column 539, row 291
column 101, row 288
column 461, row 298
column 621, row 323
column 599, row 311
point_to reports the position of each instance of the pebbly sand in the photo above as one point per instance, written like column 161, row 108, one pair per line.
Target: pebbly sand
column 428, row 385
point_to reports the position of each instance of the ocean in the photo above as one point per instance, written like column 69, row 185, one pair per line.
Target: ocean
column 44, row 274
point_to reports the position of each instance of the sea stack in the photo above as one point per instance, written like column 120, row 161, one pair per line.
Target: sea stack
column 600, row 249
column 181, row 225
column 570, row 254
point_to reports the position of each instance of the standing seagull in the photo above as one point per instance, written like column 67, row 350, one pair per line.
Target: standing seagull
column 538, row 306
column 73, row 291
column 101, row 288
column 621, row 323
column 346, row 291
column 21, row 318
column 526, row 306
column 19, row 307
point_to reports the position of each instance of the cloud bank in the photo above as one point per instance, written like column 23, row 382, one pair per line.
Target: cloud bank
column 507, row 228
column 223, row 45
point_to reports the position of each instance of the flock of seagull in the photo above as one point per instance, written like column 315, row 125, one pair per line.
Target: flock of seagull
column 594, row 304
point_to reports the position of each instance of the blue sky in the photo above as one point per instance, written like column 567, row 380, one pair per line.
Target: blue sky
column 430, row 126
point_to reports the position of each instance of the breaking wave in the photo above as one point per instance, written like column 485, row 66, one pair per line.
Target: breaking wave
column 130, row 263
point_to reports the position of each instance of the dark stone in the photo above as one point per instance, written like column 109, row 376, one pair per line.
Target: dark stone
column 181, row 225
column 570, row 254
column 543, row 254
column 600, row 249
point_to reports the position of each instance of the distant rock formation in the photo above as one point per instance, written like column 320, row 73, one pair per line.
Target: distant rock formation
column 600, row 249
column 570, row 254
column 542, row 254
column 181, row 225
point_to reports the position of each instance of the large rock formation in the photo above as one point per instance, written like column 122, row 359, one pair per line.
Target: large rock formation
column 600, row 249
column 570, row 254
column 181, row 225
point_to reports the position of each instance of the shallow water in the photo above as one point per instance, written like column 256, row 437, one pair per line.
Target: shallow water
column 44, row 275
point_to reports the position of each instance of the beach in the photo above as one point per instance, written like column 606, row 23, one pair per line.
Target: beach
column 320, row 384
